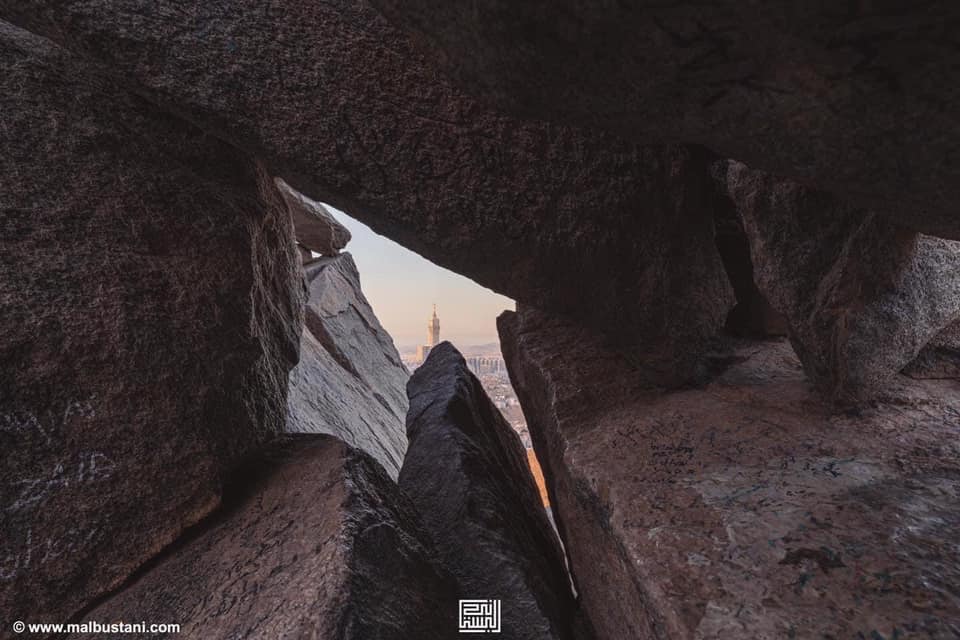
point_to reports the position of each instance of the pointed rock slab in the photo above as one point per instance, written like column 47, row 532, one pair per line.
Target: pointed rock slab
column 861, row 296
column 315, row 227
column 340, row 104
column 858, row 100
column 318, row 543
column 466, row 471
column 150, row 310
column 350, row 381
column 747, row 508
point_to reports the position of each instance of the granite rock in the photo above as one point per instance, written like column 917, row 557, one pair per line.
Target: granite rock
column 150, row 308
column 343, row 107
column 466, row 472
column 748, row 508
column 315, row 227
column 940, row 358
column 350, row 381
column 861, row 295
column 856, row 99
column 316, row 542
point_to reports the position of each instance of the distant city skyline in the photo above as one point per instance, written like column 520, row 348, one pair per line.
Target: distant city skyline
column 402, row 288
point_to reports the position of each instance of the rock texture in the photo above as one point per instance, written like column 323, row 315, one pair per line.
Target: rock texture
column 350, row 381
column 315, row 227
column 940, row 358
column 857, row 99
column 467, row 474
column 318, row 543
column 747, row 508
column 150, row 309
column 861, row 296
column 341, row 105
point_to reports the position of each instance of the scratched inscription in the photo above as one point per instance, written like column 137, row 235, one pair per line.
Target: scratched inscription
column 41, row 435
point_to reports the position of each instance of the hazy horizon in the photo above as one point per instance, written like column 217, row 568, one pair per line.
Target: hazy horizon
column 402, row 288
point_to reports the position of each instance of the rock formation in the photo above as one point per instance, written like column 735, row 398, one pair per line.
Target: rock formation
column 340, row 104
column 855, row 99
column 940, row 358
column 150, row 309
column 861, row 295
column 157, row 156
column 316, row 228
column 350, row 381
column 747, row 508
column 318, row 543
column 466, row 472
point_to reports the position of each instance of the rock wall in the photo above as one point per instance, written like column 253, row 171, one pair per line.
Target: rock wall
column 467, row 474
column 861, row 295
column 317, row 543
column 857, row 100
column 150, row 309
column 745, row 508
column 341, row 105
column 350, row 381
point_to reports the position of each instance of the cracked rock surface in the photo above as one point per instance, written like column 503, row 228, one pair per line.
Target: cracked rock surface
column 350, row 381
column 861, row 295
column 342, row 105
column 150, row 309
column 466, row 471
column 856, row 99
column 748, row 507
column 317, row 543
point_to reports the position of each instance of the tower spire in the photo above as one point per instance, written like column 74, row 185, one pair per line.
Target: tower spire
column 433, row 329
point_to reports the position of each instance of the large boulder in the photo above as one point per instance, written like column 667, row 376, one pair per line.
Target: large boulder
column 861, row 295
column 317, row 542
column 337, row 101
column 853, row 98
column 747, row 508
column 150, row 308
column 466, row 471
column 316, row 228
column 350, row 381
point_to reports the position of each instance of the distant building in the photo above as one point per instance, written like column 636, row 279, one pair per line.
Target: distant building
column 481, row 365
column 433, row 336
column 433, row 329
column 422, row 352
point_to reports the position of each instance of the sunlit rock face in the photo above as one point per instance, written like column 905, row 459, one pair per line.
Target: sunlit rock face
column 466, row 472
column 861, row 295
column 339, row 103
column 855, row 99
column 150, row 309
column 350, row 381
column 747, row 508
column 316, row 543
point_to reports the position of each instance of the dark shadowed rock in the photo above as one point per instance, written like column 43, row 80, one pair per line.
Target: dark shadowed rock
column 150, row 309
column 339, row 103
column 466, row 471
column 940, row 358
column 752, row 316
column 318, row 543
column 350, row 381
column 857, row 98
column 745, row 509
column 315, row 227
column 861, row 296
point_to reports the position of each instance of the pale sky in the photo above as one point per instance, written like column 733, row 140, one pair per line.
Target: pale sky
column 402, row 287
